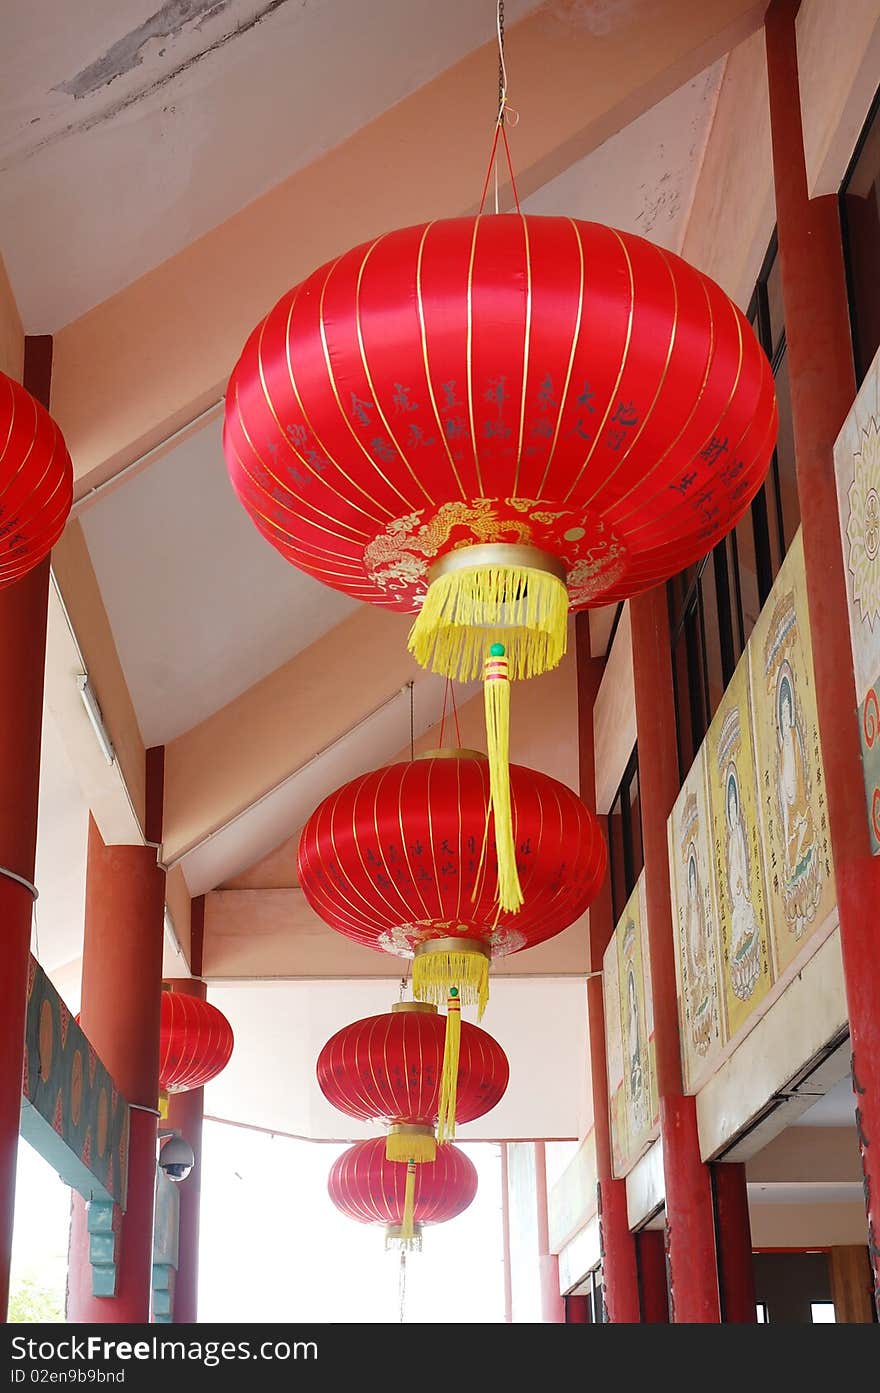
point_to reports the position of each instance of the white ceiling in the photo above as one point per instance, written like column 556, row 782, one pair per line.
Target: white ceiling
column 819, row 1192
column 200, row 605
column 642, row 179
column 281, row 1027
column 836, row 1108
column 128, row 128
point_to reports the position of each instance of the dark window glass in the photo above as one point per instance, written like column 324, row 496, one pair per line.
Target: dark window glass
column 626, row 858
column 598, row 1311
column 860, row 203
column 713, row 607
column 775, row 316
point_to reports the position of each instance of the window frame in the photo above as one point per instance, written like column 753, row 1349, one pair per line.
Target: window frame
column 872, row 117
column 621, row 805
column 687, row 605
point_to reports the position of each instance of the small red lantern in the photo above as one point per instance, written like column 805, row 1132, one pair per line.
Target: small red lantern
column 368, row 1187
column 195, row 1042
column 36, row 482
column 389, row 1068
column 398, row 860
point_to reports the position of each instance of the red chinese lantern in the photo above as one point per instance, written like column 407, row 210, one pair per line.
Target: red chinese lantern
column 398, row 860
column 486, row 421
column 36, row 482
column 389, row 1068
column 368, row 1187
column 195, row 1042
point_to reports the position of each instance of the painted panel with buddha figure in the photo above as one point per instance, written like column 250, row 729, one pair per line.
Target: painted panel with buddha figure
column 614, row 1058
column 629, row 1026
column 695, row 916
column 792, row 802
column 751, row 871
column 857, row 473
column 745, row 967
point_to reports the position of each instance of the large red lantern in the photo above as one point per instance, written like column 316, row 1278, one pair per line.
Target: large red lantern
column 484, row 421
column 195, row 1042
column 36, row 482
column 397, row 860
column 390, row 1067
column 368, row 1187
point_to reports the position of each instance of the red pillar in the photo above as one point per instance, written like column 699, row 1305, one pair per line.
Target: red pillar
column 577, row 1310
column 552, row 1302
column 185, row 1113
column 733, row 1234
column 617, row 1244
column 651, row 1252
column 121, row 989
column 822, row 392
column 23, row 608
column 693, row 1278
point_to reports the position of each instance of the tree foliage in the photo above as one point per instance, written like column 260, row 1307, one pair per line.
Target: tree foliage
column 31, row 1303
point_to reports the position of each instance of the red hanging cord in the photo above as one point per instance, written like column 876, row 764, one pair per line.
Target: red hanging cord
column 446, row 691
column 455, row 717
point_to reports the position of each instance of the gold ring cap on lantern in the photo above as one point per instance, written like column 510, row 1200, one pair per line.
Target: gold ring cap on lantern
column 495, row 592
column 443, row 964
column 456, row 752
column 411, row 1141
column 502, row 555
column 422, row 1007
column 451, row 945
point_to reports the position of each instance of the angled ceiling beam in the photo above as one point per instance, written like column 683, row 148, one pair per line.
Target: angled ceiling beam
column 331, row 712
column 241, row 753
column 146, row 361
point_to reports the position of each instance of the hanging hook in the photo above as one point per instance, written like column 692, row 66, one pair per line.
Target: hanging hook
column 506, row 117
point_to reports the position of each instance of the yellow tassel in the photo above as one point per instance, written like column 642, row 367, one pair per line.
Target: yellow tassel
column 163, row 1106
column 468, row 609
column 496, row 690
column 460, row 963
column 393, row 1239
column 407, row 1232
column 449, row 1073
column 421, row 1147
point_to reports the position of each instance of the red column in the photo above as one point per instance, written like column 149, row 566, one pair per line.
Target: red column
column 822, row 392
column 617, row 1244
column 121, row 989
column 577, row 1310
column 552, row 1302
column 651, row 1252
column 733, row 1235
column 186, row 1113
column 23, row 609
column 693, row 1278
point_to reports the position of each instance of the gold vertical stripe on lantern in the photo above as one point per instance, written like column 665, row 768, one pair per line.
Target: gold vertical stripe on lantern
column 409, row 1202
